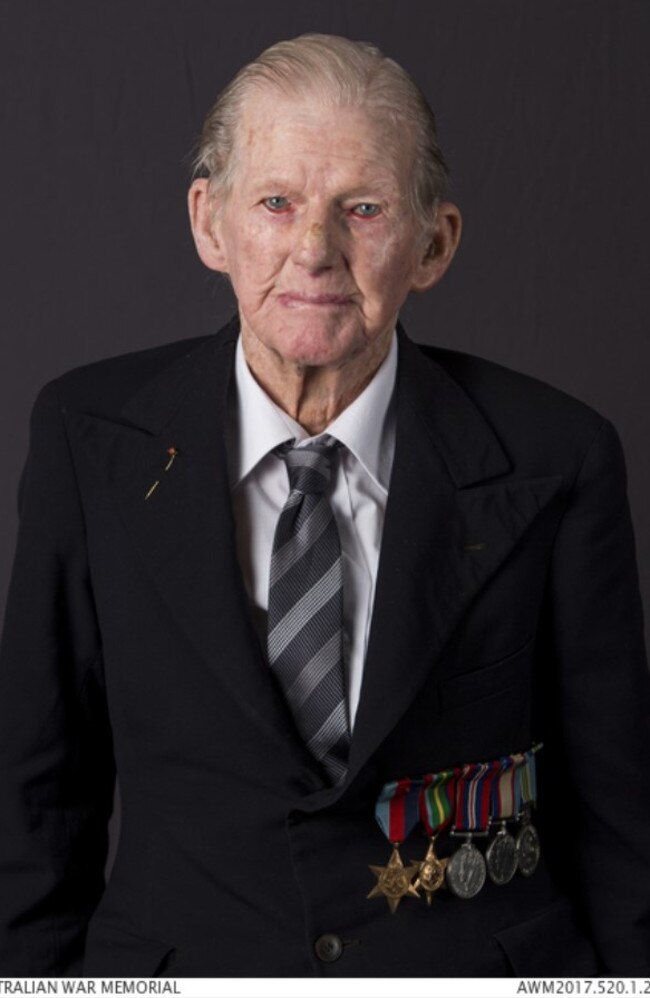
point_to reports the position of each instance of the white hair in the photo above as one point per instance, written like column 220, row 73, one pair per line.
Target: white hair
column 338, row 70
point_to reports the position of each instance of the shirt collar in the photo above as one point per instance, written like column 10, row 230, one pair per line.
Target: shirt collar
column 365, row 427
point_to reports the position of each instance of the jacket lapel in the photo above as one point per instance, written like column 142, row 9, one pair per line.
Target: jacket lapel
column 449, row 524
column 184, row 527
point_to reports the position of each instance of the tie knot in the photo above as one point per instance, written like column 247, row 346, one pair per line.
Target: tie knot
column 310, row 466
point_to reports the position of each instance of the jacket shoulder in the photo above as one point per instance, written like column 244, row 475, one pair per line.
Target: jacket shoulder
column 517, row 404
column 103, row 387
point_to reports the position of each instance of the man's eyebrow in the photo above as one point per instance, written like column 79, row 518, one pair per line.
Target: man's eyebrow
column 270, row 184
column 372, row 187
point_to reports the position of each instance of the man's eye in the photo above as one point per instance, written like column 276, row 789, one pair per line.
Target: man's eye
column 366, row 210
column 276, row 203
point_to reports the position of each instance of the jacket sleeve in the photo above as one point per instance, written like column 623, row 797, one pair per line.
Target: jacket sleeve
column 603, row 725
column 56, row 766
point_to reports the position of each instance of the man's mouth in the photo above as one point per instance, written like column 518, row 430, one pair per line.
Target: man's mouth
column 298, row 299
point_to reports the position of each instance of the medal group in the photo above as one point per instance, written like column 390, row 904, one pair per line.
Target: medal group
column 470, row 801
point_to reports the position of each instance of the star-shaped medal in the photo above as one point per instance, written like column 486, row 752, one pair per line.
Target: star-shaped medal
column 394, row 880
column 431, row 872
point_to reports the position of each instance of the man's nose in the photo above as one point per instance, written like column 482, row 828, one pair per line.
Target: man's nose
column 317, row 245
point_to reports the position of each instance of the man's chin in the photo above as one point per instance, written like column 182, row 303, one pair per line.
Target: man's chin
column 316, row 348
column 315, row 358
column 310, row 341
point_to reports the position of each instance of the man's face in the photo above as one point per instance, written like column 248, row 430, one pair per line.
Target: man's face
column 317, row 233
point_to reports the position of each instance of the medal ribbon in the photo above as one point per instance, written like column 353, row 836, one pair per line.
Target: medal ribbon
column 473, row 796
column 519, row 759
column 470, row 796
column 503, row 790
column 529, row 779
column 397, row 809
column 437, row 796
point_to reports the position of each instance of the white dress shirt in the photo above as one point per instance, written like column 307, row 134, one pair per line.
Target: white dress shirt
column 357, row 493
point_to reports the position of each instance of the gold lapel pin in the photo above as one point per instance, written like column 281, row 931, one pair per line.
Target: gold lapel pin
column 173, row 453
column 152, row 489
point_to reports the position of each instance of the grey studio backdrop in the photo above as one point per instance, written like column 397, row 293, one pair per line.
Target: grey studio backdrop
column 542, row 107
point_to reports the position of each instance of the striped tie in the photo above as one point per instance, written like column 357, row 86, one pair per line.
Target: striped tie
column 305, row 620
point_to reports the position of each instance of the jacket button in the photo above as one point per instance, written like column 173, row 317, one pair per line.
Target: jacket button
column 328, row 947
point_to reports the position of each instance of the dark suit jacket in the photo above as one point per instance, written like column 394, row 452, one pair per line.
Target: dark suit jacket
column 507, row 611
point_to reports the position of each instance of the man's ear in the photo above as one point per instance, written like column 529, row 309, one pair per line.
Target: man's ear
column 440, row 250
column 205, row 229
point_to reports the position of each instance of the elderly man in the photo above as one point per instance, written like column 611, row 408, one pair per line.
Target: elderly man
column 317, row 595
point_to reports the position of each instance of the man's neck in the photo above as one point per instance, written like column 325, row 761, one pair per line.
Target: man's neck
column 313, row 396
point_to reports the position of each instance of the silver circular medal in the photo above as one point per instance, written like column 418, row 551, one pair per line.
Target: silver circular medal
column 465, row 871
column 501, row 858
column 528, row 850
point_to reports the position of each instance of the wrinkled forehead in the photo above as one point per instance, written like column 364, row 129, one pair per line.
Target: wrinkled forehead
column 271, row 116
